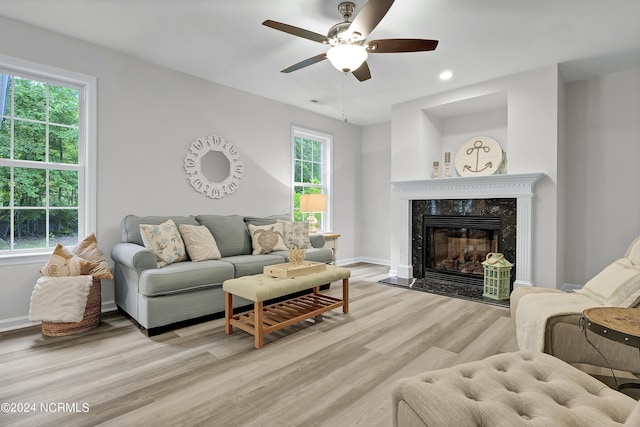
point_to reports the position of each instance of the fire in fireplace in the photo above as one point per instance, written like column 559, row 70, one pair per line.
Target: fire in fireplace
column 457, row 245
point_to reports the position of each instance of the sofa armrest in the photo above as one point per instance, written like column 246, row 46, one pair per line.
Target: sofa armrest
column 317, row 240
column 134, row 256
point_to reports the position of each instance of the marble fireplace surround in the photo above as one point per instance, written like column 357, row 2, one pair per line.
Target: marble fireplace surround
column 518, row 186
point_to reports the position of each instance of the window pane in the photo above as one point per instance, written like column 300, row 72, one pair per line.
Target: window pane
column 63, row 105
column 30, row 99
column 63, row 226
column 63, row 188
column 5, row 229
column 298, row 147
column 63, row 145
column 29, row 141
column 306, row 172
column 5, row 139
column 30, row 187
column 30, row 228
column 317, row 173
column 307, row 149
column 5, row 186
column 317, row 151
column 298, row 171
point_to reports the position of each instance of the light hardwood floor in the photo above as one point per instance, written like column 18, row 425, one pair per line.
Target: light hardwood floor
column 338, row 372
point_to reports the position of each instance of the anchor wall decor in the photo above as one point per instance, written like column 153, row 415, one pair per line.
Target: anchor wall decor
column 480, row 156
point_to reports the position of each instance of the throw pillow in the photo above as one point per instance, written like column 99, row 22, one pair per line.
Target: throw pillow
column 64, row 263
column 88, row 250
column 296, row 234
column 199, row 242
column 267, row 238
column 164, row 241
column 633, row 253
column 618, row 285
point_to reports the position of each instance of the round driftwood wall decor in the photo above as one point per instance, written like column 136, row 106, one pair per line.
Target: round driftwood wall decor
column 193, row 166
column 480, row 156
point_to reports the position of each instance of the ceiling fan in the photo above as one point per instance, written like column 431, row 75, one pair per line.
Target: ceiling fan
column 349, row 50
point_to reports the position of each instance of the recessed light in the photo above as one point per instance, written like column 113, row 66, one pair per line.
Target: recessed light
column 314, row 101
column 446, row 75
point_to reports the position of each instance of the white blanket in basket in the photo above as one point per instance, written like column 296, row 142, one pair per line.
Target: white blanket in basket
column 60, row 299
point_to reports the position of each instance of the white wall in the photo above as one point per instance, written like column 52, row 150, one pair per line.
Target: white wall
column 603, row 171
column 147, row 118
column 374, row 219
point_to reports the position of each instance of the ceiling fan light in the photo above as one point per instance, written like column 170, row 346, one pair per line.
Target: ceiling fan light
column 347, row 57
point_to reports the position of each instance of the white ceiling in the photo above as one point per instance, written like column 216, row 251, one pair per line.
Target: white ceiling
column 224, row 41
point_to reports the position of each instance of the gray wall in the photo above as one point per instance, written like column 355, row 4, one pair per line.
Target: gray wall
column 147, row 118
column 602, row 171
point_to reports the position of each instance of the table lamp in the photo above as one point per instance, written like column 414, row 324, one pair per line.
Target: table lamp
column 312, row 203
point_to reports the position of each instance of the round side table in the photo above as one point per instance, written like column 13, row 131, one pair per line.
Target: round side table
column 617, row 324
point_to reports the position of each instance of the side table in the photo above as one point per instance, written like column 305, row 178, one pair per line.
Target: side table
column 331, row 241
column 617, row 324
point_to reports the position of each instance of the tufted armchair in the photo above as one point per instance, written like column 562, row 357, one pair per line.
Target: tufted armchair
column 511, row 389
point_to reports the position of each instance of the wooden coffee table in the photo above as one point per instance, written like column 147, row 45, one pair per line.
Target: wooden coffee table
column 261, row 287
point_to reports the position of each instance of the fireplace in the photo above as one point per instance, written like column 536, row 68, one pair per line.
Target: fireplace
column 456, row 246
column 451, row 237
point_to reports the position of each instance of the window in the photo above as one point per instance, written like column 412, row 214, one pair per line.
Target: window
column 45, row 172
column 311, row 172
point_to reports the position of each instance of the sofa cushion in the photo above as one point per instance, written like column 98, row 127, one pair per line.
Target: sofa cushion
column 199, row 241
column 230, row 232
column 165, row 241
column 324, row 255
column 246, row 265
column 184, row 276
column 265, row 220
column 267, row 238
column 130, row 225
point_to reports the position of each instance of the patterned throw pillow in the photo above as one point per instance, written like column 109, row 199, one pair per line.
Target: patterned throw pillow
column 199, row 242
column 267, row 238
column 296, row 234
column 164, row 241
column 64, row 263
column 88, row 250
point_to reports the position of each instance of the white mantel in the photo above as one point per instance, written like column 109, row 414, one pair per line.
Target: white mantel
column 518, row 186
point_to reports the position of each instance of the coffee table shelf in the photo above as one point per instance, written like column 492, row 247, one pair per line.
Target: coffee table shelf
column 286, row 313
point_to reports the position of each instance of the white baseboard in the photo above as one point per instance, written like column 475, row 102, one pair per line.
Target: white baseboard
column 368, row 260
column 21, row 322
column 13, row 323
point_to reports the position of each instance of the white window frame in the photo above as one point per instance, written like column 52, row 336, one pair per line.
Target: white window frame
column 87, row 143
column 327, row 170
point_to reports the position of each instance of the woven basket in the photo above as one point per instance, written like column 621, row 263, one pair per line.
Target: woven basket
column 91, row 318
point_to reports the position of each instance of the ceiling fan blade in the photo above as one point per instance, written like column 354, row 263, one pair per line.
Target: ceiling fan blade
column 362, row 73
column 400, row 45
column 300, row 32
column 305, row 63
column 369, row 17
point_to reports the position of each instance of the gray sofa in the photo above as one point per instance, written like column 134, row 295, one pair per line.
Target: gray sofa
column 158, row 298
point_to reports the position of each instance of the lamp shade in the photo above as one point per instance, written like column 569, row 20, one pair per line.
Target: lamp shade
column 347, row 57
column 313, row 203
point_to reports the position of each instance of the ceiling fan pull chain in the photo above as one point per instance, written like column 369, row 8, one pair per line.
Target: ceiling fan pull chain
column 344, row 98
